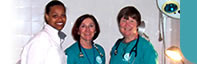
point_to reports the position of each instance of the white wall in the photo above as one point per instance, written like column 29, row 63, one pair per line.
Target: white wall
column 106, row 12
column 26, row 17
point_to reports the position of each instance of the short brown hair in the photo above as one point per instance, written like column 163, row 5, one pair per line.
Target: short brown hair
column 78, row 22
column 129, row 11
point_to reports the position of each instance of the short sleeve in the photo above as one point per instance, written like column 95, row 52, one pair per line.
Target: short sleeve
column 70, row 55
column 150, row 56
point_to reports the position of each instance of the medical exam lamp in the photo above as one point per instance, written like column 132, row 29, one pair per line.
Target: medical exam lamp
column 169, row 9
column 141, row 30
column 175, row 54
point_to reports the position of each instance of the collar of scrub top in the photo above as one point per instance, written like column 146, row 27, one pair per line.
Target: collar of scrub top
column 132, row 50
column 61, row 34
column 87, row 55
column 94, row 46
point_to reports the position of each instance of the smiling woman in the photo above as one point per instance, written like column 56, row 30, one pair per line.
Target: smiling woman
column 45, row 46
column 55, row 15
column 132, row 48
column 84, row 50
column 21, row 19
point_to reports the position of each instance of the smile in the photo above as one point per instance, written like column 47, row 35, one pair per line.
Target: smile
column 59, row 23
column 127, row 29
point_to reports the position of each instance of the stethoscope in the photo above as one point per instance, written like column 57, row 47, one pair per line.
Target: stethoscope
column 98, row 58
column 126, row 56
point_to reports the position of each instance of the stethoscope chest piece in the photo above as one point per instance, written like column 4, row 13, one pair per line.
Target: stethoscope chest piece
column 126, row 57
column 81, row 55
column 115, row 52
column 98, row 59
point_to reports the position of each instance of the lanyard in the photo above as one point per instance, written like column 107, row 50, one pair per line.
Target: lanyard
column 88, row 57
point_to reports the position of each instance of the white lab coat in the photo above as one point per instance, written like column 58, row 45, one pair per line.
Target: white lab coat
column 44, row 48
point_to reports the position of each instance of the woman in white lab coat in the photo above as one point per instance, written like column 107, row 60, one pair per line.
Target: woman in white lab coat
column 45, row 46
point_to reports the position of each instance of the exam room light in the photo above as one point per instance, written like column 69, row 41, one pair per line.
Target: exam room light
column 170, row 8
column 175, row 54
column 141, row 30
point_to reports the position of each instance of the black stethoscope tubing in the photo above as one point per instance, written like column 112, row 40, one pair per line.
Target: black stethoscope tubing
column 135, row 46
column 94, row 45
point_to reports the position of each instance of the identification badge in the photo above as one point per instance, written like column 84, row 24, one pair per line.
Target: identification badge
column 126, row 57
column 99, row 60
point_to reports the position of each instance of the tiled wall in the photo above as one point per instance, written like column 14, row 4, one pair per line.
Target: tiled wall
column 28, row 21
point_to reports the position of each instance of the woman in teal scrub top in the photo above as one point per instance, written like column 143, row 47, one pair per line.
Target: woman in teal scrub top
column 84, row 50
column 132, row 48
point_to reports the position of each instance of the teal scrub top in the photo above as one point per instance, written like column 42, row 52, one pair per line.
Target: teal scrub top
column 146, row 53
column 90, row 56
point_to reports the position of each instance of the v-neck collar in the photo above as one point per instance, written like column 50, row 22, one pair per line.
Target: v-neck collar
column 129, row 45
